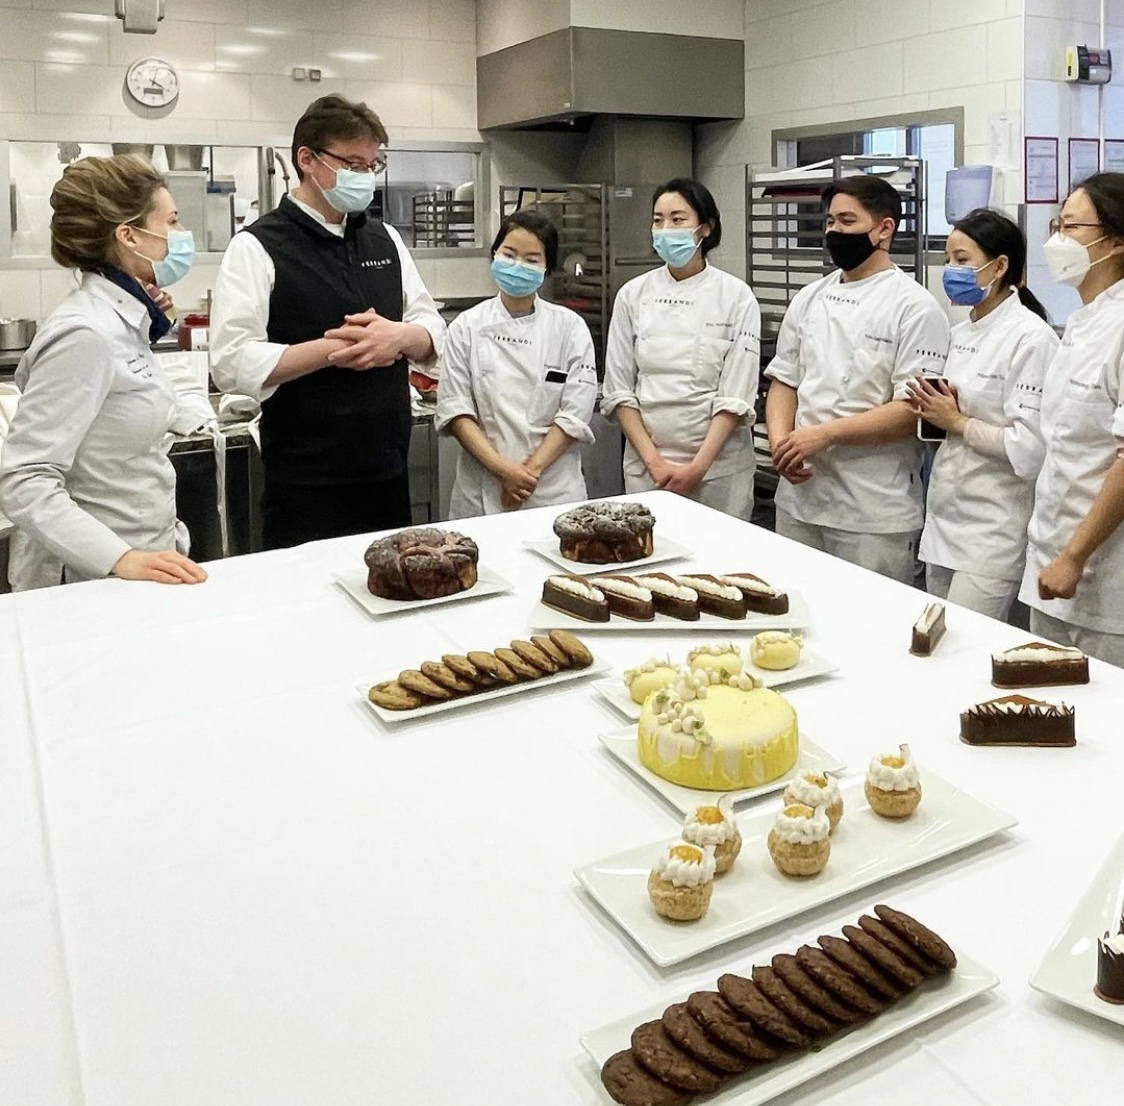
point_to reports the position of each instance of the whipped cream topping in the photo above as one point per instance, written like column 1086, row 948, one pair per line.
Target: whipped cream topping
column 670, row 588
column 678, row 706
column 777, row 637
column 621, row 587
column 577, row 587
column 1019, row 704
column 650, row 665
column 709, row 832
column 929, row 619
column 803, row 828
column 885, row 777
column 806, row 791
column 1114, row 944
column 686, row 873
column 1038, row 652
column 751, row 583
column 714, row 649
column 711, row 587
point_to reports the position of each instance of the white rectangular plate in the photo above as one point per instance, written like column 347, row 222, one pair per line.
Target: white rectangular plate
column 597, row 668
column 547, row 618
column 1069, row 969
column 811, row 665
column 663, row 549
column 621, row 744
column 753, row 894
column 354, row 583
column 769, row 1081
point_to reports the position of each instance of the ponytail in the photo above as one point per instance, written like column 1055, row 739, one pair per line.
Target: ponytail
column 1031, row 302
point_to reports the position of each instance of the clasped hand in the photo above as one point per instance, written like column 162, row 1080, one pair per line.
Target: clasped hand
column 937, row 402
column 374, row 342
column 792, row 451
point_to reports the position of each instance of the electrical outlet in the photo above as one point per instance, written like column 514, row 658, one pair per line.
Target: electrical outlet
column 300, row 73
column 314, row 74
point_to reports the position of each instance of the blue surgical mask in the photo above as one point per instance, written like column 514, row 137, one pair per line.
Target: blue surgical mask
column 515, row 278
column 676, row 247
column 960, row 285
column 352, row 192
column 175, row 265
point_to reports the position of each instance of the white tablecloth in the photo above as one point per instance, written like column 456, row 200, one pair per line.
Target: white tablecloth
column 223, row 883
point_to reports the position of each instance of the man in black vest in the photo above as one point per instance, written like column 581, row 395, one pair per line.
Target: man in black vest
column 318, row 309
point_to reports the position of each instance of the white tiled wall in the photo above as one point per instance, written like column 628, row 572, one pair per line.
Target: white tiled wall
column 63, row 63
column 817, row 61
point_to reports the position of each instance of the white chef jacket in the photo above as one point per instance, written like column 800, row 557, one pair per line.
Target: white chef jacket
column 681, row 351
column 848, row 347
column 517, row 377
column 978, row 506
column 242, row 357
column 86, row 475
column 1083, row 428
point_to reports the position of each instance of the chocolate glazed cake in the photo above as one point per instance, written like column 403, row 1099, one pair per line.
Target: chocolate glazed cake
column 760, row 596
column 626, row 597
column 928, row 631
column 670, row 597
column 1110, row 967
column 575, row 596
column 1039, row 664
column 1017, row 720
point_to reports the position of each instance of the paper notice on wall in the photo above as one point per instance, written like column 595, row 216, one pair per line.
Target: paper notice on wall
column 1041, row 170
column 1084, row 159
column 1114, row 155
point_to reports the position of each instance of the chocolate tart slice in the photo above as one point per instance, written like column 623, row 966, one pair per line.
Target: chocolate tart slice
column 670, row 596
column 1039, row 664
column 575, row 596
column 1110, row 968
column 1017, row 720
column 626, row 597
column 715, row 597
column 760, row 597
column 928, row 631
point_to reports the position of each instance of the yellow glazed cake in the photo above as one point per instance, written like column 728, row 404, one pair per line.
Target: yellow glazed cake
column 722, row 656
column 648, row 677
column 775, row 650
column 717, row 732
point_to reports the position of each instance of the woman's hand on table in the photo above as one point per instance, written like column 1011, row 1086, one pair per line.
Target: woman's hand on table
column 937, row 402
column 168, row 567
column 1059, row 579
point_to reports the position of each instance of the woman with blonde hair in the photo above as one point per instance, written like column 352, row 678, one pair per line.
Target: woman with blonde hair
column 86, row 477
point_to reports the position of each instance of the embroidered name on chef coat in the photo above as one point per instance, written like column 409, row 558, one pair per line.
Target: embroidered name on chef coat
column 139, row 367
column 936, row 354
column 512, row 341
column 963, row 347
column 672, row 301
column 836, row 297
column 376, row 262
column 878, row 338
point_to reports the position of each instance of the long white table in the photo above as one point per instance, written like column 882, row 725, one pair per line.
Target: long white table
column 224, row 883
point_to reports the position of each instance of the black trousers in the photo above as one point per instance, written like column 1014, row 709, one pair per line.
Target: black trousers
column 296, row 513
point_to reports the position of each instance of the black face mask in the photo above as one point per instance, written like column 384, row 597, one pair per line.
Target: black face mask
column 848, row 251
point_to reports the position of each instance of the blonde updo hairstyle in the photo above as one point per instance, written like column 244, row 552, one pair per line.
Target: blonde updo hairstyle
column 93, row 198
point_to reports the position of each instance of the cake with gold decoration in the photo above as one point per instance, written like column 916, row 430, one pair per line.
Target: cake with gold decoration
column 717, row 731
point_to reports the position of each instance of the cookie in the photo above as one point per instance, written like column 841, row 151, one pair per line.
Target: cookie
column 391, row 695
column 579, row 655
column 890, row 962
column 918, row 936
column 631, row 1085
column 714, row 1014
column 463, row 667
column 807, row 989
column 492, row 666
column 442, row 674
column 691, row 1037
column 785, row 998
column 884, row 935
column 413, row 680
column 842, row 984
column 657, row 1052
column 851, row 960
column 533, row 655
column 551, row 650
column 517, row 664
column 748, row 1000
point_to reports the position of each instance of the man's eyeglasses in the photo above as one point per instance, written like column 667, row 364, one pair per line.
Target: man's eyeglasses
column 1057, row 225
column 357, row 164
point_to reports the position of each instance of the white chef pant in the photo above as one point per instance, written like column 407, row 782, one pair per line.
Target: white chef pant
column 890, row 555
column 985, row 594
column 1097, row 643
column 733, row 494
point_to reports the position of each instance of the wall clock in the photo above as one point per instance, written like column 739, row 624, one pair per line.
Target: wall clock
column 152, row 82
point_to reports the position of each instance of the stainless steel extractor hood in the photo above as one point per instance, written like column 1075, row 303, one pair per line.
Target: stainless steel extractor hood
column 568, row 75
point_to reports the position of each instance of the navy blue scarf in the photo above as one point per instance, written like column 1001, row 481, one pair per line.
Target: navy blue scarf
column 160, row 323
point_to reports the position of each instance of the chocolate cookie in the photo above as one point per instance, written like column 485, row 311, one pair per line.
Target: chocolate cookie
column 517, row 664
column 391, row 695
column 657, row 1052
column 851, row 960
column 631, row 1085
column 551, row 650
column 413, row 680
column 886, row 936
column 533, row 655
column 748, row 1000
column 889, row 961
column 492, row 666
column 580, row 656
column 442, row 674
column 715, row 1015
column 918, row 936
column 842, row 984
column 785, row 998
column 691, row 1037
column 806, row 988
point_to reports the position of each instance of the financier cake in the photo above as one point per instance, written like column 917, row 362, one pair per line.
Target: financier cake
column 717, row 731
